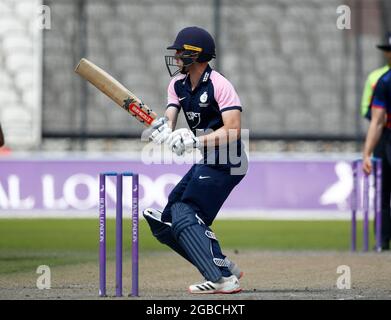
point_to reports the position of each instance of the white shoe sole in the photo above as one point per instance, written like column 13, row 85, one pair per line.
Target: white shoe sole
column 216, row 291
column 230, row 286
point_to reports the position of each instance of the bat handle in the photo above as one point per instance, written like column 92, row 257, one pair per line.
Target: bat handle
column 159, row 122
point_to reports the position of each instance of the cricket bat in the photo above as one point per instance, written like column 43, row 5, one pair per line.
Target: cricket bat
column 115, row 91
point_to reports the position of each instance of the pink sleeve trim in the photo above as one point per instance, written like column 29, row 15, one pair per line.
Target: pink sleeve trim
column 224, row 92
column 172, row 98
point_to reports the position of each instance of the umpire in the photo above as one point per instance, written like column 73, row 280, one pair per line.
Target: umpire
column 376, row 107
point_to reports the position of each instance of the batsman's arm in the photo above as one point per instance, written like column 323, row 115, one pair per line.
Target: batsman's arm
column 375, row 130
column 229, row 132
column 172, row 116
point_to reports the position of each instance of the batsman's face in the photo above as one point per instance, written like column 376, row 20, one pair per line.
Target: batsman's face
column 178, row 58
column 180, row 63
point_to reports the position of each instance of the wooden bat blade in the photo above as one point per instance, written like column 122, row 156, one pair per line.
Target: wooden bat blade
column 115, row 91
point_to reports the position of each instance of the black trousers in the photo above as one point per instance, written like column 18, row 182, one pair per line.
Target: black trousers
column 383, row 151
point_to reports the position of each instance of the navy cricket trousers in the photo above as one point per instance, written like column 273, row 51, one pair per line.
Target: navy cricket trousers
column 205, row 188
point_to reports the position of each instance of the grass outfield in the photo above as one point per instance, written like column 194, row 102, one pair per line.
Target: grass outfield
column 28, row 243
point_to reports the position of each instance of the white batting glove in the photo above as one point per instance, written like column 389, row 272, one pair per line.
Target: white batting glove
column 161, row 131
column 182, row 140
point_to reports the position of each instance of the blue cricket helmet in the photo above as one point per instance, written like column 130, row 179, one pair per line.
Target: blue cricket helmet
column 195, row 39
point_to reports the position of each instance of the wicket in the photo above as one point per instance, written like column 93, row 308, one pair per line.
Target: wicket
column 355, row 203
column 118, row 227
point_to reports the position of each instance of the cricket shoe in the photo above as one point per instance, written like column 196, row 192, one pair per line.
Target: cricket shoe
column 226, row 285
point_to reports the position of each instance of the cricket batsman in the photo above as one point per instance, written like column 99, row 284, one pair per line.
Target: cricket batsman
column 213, row 113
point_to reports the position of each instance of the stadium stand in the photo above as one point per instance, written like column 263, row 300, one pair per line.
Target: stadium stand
column 290, row 64
column 20, row 106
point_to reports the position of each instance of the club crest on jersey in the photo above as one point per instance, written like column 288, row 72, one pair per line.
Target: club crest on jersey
column 204, row 97
column 194, row 117
column 203, row 100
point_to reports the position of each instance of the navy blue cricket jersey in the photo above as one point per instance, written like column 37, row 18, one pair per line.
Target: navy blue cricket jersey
column 203, row 108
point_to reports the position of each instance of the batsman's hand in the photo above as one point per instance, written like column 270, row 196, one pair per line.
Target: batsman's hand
column 161, row 130
column 182, row 140
column 367, row 165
